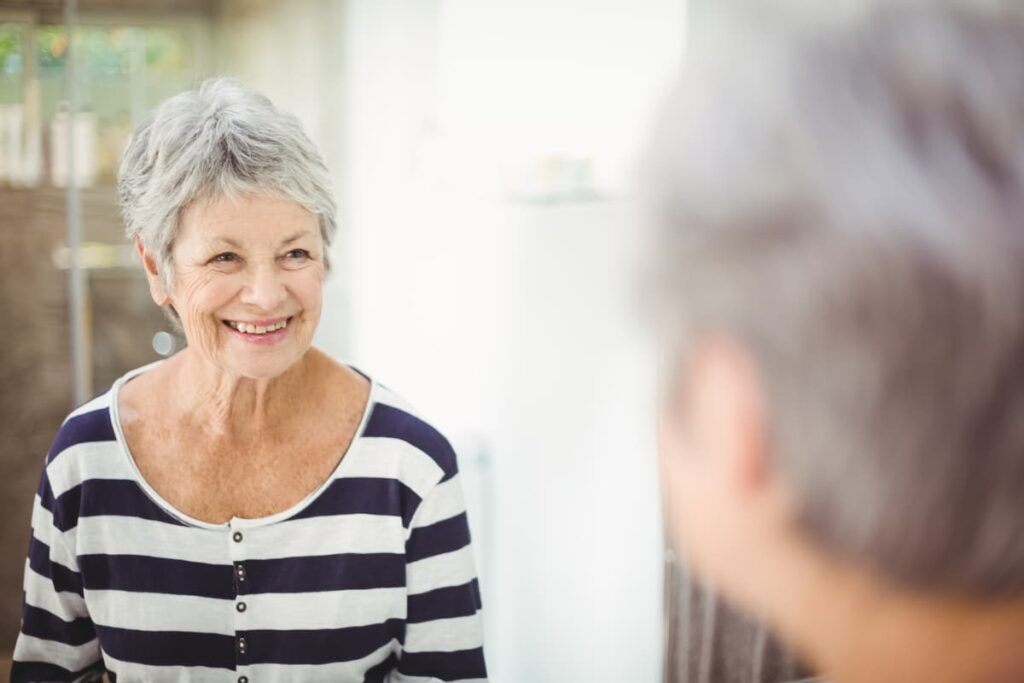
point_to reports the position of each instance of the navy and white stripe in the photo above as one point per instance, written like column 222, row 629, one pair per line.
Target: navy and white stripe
column 371, row 578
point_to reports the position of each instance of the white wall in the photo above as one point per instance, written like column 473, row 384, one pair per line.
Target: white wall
column 508, row 321
column 576, row 580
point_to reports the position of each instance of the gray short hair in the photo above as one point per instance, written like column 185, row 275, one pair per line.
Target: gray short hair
column 847, row 200
column 220, row 139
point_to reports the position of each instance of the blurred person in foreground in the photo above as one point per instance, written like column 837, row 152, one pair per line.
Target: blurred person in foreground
column 248, row 509
column 839, row 287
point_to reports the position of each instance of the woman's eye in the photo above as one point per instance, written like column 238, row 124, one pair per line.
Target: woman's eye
column 300, row 254
column 226, row 257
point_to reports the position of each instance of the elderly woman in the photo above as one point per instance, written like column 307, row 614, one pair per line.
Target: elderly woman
column 248, row 509
column 840, row 289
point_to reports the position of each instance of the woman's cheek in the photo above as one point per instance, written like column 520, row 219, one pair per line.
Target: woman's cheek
column 311, row 278
column 308, row 287
column 199, row 300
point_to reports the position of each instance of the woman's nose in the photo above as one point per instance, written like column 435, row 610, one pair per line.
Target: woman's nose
column 265, row 289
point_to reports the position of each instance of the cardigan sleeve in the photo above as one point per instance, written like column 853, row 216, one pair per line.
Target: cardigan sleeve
column 444, row 635
column 57, row 640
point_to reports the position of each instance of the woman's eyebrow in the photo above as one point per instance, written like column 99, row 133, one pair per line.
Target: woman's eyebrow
column 233, row 243
column 227, row 240
column 296, row 236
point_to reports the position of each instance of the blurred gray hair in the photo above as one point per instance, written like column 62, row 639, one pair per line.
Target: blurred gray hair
column 219, row 140
column 846, row 199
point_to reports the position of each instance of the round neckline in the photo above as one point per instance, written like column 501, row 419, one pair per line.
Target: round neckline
column 234, row 522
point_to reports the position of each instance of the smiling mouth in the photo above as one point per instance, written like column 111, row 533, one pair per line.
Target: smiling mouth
column 250, row 328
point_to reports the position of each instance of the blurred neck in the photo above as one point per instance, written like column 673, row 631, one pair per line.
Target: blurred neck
column 858, row 628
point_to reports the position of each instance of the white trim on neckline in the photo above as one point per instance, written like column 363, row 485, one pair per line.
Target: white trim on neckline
column 234, row 522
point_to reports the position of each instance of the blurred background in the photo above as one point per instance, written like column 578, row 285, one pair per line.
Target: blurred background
column 484, row 154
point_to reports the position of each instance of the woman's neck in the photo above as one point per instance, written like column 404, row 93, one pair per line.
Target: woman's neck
column 223, row 405
column 857, row 629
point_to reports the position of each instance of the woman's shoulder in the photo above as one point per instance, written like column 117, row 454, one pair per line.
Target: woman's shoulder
column 88, row 423
column 88, row 435
column 395, row 421
column 389, row 426
column 85, row 447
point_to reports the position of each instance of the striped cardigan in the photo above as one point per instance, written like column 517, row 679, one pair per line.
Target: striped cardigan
column 370, row 578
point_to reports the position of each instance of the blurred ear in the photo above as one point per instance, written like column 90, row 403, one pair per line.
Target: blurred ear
column 156, row 284
column 728, row 415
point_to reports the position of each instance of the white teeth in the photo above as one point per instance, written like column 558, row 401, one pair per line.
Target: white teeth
column 257, row 329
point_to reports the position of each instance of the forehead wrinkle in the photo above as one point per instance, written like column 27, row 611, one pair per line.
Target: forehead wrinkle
column 297, row 236
column 225, row 240
column 234, row 243
column 223, row 221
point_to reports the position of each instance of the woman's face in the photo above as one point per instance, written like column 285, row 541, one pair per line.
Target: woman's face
column 248, row 282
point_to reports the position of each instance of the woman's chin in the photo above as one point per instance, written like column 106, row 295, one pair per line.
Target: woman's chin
column 260, row 366
column 262, row 356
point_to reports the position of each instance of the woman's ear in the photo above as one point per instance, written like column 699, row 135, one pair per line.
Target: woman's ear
column 718, row 483
column 156, row 283
column 729, row 414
